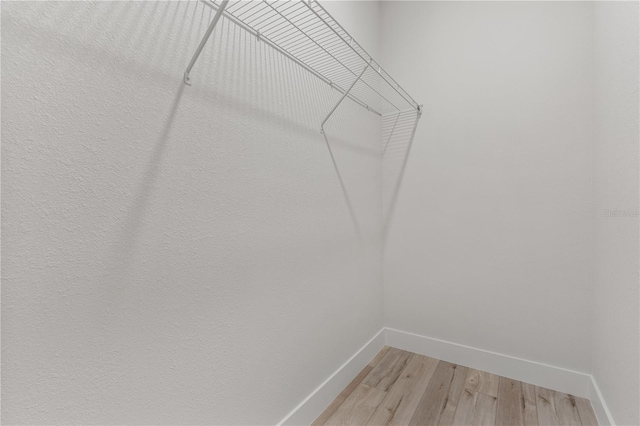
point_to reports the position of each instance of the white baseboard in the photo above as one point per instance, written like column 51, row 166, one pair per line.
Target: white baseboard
column 561, row 379
column 599, row 405
column 314, row 404
column 548, row 376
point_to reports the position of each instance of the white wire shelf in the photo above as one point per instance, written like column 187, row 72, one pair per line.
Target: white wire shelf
column 308, row 35
column 304, row 32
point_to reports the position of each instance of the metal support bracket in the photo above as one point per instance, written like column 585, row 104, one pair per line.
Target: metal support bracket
column 333, row 160
column 344, row 95
column 204, row 40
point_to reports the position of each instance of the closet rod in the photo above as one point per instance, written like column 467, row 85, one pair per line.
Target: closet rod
column 262, row 38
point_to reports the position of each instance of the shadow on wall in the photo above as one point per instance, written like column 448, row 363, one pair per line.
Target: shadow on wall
column 238, row 71
column 398, row 131
column 147, row 209
column 122, row 251
column 235, row 69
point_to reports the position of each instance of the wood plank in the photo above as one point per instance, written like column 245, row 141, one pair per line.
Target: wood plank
column 417, row 390
column 435, row 396
column 556, row 408
column 485, row 412
column 387, row 371
column 465, row 413
column 529, row 409
column 333, row 407
column 379, row 356
column 358, row 407
column 481, row 381
column 403, row 397
column 476, row 409
column 587, row 416
column 566, row 409
column 451, row 404
column 509, row 408
column 546, row 407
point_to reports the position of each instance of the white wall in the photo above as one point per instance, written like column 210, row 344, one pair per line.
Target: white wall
column 616, row 350
column 491, row 242
column 185, row 255
column 172, row 254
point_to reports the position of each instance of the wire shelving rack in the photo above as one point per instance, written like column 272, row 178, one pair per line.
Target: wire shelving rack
column 304, row 32
column 307, row 34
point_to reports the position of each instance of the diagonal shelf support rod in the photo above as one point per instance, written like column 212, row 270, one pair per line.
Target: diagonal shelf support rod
column 333, row 160
column 344, row 95
column 204, row 40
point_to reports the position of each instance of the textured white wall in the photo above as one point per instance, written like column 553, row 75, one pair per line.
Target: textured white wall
column 172, row 254
column 616, row 350
column 491, row 242
column 185, row 255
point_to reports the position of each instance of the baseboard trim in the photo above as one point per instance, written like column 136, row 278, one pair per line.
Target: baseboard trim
column 557, row 378
column 314, row 404
column 599, row 405
column 548, row 376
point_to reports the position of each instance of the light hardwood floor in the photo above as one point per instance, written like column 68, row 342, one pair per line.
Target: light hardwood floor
column 403, row 388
